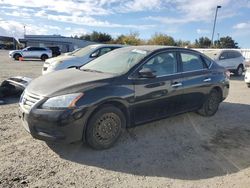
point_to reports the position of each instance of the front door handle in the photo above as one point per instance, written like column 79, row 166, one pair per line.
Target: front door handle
column 207, row 80
column 177, row 84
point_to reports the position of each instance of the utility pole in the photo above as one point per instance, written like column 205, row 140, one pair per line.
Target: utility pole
column 215, row 18
column 24, row 31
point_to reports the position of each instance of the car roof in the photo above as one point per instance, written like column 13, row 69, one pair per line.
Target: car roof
column 152, row 48
column 107, row 45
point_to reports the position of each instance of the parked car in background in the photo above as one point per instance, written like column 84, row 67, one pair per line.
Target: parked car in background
column 78, row 57
column 55, row 51
column 31, row 52
column 230, row 59
column 247, row 77
column 121, row 89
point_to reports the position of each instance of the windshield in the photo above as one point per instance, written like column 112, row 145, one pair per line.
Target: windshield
column 83, row 51
column 211, row 54
column 116, row 62
column 70, row 53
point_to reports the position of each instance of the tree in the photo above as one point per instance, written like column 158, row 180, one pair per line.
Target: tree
column 202, row 42
column 130, row 39
column 97, row 37
column 183, row 43
column 225, row 42
column 161, row 39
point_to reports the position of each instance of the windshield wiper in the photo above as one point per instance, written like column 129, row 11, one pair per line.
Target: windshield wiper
column 91, row 70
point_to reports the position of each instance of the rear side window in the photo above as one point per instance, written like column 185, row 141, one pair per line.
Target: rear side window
column 236, row 54
column 36, row 49
column 231, row 55
column 191, row 62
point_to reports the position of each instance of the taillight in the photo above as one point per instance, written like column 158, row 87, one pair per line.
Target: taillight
column 227, row 73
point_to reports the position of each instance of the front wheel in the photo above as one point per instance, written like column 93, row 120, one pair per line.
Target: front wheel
column 248, row 85
column 17, row 56
column 44, row 57
column 211, row 105
column 104, row 127
column 239, row 71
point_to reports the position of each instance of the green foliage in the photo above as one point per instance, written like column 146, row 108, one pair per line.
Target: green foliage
column 161, row 39
column 183, row 43
column 202, row 42
column 96, row 37
column 225, row 42
column 158, row 39
column 130, row 39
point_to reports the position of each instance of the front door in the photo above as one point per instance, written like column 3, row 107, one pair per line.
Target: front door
column 159, row 96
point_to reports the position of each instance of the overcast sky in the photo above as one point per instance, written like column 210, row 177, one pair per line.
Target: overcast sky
column 182, row 19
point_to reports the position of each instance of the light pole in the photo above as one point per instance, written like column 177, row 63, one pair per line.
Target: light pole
column 215, row 18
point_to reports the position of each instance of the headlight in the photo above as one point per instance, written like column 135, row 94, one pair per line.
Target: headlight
column 63, row 101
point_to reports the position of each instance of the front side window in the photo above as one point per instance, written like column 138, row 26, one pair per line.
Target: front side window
column 223, row 56
column 163, row 64
column 104, row 51
column 191, row 62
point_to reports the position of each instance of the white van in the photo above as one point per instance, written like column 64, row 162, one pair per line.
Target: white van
column 230, row 59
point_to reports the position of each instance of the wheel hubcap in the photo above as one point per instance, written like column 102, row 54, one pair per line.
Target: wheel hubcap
column 107, row 127
column 240, row 71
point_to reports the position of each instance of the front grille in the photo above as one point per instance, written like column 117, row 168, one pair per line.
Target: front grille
column 45, row 68
column 28, row 100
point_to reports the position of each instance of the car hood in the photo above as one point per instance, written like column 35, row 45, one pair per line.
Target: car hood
column 15, row 51
column 66, row 81
column 62, row 58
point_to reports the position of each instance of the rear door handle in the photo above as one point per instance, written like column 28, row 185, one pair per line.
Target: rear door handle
column 207, row 80
column 176, row 84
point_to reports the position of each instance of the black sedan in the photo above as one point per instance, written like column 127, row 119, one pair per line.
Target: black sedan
column 121, row 89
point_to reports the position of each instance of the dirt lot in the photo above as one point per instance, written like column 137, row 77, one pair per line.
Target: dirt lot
column 184, row 151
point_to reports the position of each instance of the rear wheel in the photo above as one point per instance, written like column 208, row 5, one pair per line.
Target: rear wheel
column 44, row 57
column 104, row 127
column 211, row 105
column 239, row 71
column 17, row 56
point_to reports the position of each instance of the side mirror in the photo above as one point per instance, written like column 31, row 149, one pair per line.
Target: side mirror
column 94, row 55
column 147, row 73
column 222, row 57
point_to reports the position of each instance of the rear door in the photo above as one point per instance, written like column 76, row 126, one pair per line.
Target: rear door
column 31, row 52
column 197, row 79
column 160, row 96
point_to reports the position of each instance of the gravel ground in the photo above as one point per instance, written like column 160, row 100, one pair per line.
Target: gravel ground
column 183, row 151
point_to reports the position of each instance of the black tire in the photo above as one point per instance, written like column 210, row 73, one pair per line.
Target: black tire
column 105, row 127
column 44, row 57
column 17, row 56
column 211, row 105
column 239, row 71
column 248, row 85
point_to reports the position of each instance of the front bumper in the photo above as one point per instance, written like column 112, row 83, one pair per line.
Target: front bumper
column 65, row 126
column 247, row 77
